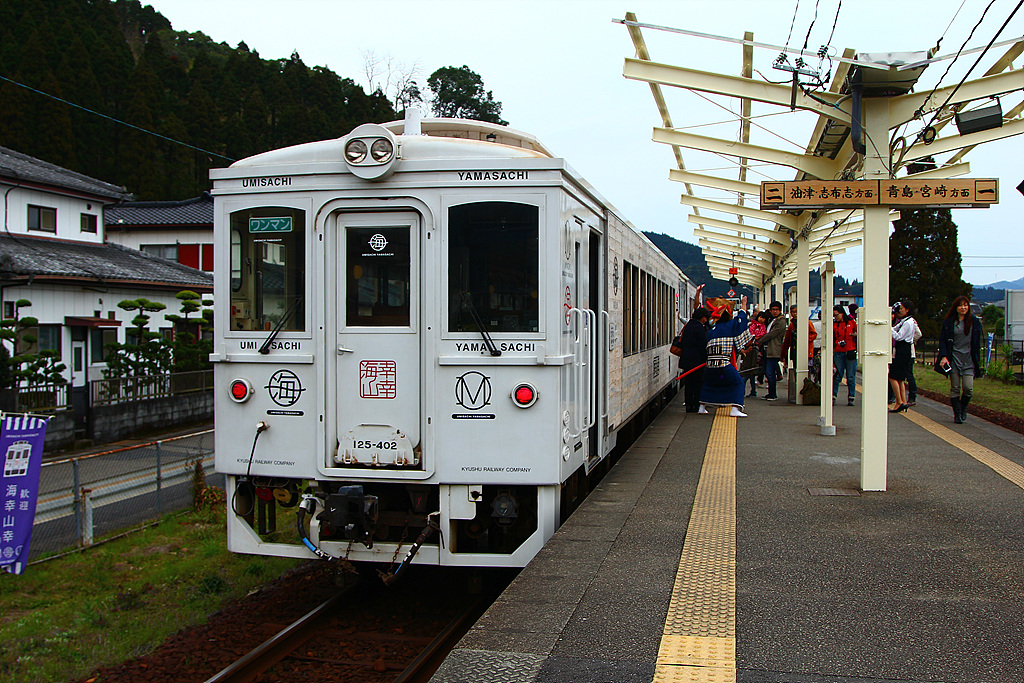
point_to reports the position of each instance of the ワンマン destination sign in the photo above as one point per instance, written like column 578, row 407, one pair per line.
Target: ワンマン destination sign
column 917, row 193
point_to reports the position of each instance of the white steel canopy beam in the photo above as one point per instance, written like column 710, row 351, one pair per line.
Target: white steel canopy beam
column 819, row 167
column 773, row 235
column 712, row 181
column 733, row 86
column 904, row 108
column 742, row 243
column 955, row 142
column 785, row 220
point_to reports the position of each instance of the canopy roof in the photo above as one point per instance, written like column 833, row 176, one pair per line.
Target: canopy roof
column 762, row 245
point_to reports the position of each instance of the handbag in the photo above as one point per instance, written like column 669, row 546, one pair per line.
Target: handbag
column 943, row 370
column 851, row 355
column 677, row 345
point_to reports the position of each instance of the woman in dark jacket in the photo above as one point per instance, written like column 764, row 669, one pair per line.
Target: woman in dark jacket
column 960, row 351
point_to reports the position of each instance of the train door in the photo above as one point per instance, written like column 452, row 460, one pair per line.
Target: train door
column 589, row 341
column 377, row 345
column 595, row 270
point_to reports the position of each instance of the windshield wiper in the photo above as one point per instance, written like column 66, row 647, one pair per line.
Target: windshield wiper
column 265, row 349
column 467, row 303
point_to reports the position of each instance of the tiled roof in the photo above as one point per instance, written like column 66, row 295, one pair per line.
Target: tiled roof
column 18, row 167
column 52, row 259
column 187, row 212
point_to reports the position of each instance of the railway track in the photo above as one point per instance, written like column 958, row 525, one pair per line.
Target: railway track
column 368, row 633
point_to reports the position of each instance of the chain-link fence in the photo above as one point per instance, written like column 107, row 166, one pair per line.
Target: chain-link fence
column 87, row 497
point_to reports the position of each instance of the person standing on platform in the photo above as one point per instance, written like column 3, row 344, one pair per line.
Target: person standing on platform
column 960, row 351
column 902, row 339
column 844, row 353
column 772, row 342
column 694, row 344
column 754, row 360
column 789, row 341
column 723, row 385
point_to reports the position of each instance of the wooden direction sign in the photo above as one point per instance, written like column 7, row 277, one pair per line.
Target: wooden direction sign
column 916, row 193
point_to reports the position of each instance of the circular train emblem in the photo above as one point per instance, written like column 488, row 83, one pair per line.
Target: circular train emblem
column 378, row 242
column 473, row 390
column 285, row 388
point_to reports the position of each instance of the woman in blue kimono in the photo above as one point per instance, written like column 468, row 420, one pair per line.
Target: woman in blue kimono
column 723, row 385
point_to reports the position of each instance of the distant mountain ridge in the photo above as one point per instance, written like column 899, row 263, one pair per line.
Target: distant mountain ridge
column 1005, row 284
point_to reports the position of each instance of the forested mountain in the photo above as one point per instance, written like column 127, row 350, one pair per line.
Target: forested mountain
column 124, row 61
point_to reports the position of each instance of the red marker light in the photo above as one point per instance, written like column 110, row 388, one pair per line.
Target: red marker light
column 240, row 390
column 524, row 395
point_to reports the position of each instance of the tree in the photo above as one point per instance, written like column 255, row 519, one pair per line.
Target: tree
column 924, row 265
column 145, row 353
column 993, row 320
column 459, row 93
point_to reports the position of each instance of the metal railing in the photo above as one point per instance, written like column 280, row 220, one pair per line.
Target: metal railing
column 94, row 495
column 41, row 398
column 125, row 389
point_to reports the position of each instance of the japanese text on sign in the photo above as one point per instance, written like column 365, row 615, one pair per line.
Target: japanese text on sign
column 807, row 194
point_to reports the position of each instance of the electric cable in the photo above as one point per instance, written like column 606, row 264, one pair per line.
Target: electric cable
column 924, row 103
column 978, row 60
column 111, row 118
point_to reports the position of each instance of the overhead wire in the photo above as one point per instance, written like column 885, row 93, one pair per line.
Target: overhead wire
column 111, row 118
column 978, row 60
column 949, row 66
column 792, row 23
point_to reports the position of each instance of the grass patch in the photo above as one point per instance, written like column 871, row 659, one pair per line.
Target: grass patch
column 988, row 393
column 64, row 618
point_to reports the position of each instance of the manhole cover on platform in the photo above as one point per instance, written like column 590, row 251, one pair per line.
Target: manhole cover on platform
column 833, row 492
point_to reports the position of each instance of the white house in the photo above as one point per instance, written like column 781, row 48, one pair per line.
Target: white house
column 181, row 231
column 53, row 253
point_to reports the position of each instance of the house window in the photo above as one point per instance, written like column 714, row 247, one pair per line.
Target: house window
column 40, row 338
column 89, row 222
column 9, row 310
column 99, row 338
column 167, row 251
column 207, row 256
column 42, row 218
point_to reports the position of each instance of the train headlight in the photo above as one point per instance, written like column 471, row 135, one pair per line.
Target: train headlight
column 382, row 150
column 524, row 395
column 371, row 152
column 355, row 151
column 240, row 390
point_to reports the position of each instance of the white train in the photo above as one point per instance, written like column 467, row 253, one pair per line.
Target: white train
column 433, row 336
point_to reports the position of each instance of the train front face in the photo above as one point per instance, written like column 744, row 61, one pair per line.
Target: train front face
column 384, row 351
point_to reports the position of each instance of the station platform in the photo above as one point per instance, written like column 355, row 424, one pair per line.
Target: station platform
column 741, row 549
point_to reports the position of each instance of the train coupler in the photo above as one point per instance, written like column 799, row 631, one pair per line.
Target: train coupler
column 433, row 525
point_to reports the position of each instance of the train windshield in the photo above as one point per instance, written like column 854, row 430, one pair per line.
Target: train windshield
column 493, row 267
column 268, row 266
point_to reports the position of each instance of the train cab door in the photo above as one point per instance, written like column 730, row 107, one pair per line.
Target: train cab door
column 377, row 345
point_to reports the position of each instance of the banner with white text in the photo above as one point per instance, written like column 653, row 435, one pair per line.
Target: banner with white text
column 21, row 442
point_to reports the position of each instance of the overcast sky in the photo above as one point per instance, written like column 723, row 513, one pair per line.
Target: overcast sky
column 556, row 67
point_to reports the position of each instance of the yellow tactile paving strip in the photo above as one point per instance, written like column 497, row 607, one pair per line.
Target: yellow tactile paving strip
column 1000, row 465
column 699, row 639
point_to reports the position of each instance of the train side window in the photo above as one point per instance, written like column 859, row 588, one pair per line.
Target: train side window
column 268, row 268
column 493, row 265
column 378, row 288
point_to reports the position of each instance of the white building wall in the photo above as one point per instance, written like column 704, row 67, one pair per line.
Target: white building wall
column 136, row 239
column 51, row 303
column 69, row 214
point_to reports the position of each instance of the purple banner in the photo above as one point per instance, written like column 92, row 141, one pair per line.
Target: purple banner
column 21, row 442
